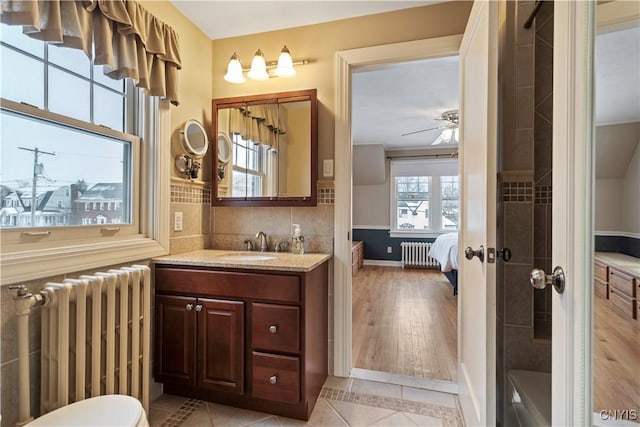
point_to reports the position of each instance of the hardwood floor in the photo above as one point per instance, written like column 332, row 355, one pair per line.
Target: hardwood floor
column 616, row 359
column 405, row 322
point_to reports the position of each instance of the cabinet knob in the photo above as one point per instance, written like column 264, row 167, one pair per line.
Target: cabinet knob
column 273, row 379
column 199, row 307
column 273, row 329
column 189, row 307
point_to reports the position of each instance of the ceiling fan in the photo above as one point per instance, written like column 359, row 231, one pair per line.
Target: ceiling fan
column 449, row 128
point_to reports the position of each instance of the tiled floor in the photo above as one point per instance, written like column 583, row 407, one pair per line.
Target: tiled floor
column 342, row 402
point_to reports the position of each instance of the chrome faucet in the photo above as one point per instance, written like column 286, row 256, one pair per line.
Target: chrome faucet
column 262, row 241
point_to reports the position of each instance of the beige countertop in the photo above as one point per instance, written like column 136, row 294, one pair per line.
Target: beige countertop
column 627, row 263
column 280, row 261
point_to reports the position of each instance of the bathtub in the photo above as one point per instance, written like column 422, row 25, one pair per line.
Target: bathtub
column 529, row 394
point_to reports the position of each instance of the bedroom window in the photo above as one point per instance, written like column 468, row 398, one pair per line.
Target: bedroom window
column 424, row 197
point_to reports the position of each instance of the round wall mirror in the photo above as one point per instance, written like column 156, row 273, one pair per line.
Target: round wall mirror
column 224, row 148
column 194, row 138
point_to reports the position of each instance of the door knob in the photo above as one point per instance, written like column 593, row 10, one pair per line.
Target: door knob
column 504, row 253
column 469, row 253
column 273, row 379
column 189, row 307
column 539, row 279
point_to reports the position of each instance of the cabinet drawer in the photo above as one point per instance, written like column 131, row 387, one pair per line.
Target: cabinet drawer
column 601, row 288
column 600, row 271
column 276, row 327
column 230, row 284
column 621, row 281
column 276, row 377
column 622, row 302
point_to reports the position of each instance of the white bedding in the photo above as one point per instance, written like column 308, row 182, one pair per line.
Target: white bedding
column 445, row 251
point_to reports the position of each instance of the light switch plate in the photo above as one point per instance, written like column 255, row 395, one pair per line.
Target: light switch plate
column 177, row 221
column 327, row 168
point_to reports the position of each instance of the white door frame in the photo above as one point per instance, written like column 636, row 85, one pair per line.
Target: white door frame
column 572, row 228
column 346, row 61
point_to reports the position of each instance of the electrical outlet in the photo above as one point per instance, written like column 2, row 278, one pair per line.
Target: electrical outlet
column 177, row 221
column 389, row 249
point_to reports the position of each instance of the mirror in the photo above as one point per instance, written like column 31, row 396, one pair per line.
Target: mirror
column 615, row 353
column 194, row 139
column 266, row 150
column 195, row 143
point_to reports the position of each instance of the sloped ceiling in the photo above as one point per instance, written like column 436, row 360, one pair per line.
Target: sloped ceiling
column 618, row 77
column 615, row 145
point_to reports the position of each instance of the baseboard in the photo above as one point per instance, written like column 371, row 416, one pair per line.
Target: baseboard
column 382, row 262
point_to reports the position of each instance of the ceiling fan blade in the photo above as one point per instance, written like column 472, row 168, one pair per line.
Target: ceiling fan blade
column 439, row 140
column 424, row 130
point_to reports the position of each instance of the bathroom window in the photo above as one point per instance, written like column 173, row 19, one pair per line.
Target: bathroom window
column 425, row 197
column 54, row 158
column 255, row 168
column 73, row 135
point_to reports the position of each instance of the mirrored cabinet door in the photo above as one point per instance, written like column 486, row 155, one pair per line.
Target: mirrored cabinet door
column 266, row 150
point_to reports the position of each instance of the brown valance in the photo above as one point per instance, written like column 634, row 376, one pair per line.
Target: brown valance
column 259, row 123
column 128, row 40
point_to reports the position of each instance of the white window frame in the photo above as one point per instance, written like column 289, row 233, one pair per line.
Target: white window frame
column 434, row 168
column 35, row 257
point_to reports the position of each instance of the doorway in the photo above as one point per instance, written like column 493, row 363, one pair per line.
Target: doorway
column 347, row 61
column 405, row 194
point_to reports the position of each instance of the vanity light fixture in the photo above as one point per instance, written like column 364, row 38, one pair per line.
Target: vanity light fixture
column 258, row 69
column 261, row 69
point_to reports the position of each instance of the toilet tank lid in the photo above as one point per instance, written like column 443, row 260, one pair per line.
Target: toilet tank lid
column 108, row 410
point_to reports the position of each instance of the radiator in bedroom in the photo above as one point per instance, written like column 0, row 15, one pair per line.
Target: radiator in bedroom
column 96, row 337
column 417, row 254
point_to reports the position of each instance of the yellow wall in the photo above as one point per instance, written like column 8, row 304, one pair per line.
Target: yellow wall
column 320, row 42
column 194, row 78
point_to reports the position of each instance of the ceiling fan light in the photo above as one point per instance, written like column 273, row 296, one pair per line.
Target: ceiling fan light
column 285, row 64
column 258, row 69
column 447, row 134
column 234, row 70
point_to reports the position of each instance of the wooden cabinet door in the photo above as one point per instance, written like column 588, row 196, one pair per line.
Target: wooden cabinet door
column 220, row 345
column 175, row 345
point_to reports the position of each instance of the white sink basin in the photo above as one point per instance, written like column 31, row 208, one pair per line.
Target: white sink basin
column 246, row 257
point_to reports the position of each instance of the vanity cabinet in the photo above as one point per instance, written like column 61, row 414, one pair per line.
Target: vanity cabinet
column 190, row 332
column 255, row 339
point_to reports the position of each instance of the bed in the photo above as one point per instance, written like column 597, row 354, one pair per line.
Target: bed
column 445, row 251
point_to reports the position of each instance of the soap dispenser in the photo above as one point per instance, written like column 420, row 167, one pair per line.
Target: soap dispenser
column 297, row 240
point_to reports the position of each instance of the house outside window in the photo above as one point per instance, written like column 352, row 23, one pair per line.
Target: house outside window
column 420, row 187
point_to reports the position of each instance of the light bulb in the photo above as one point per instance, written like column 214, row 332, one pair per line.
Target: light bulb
column 234, row 70
column 258, row 69
column 285, row 64
column 447, row 134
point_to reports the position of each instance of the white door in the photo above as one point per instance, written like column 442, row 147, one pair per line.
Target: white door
column 572, row 228
column 477, row 278
column 572, row 221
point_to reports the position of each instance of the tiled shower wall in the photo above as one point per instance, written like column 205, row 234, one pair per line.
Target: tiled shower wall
column 524, row 223
column 542, row 135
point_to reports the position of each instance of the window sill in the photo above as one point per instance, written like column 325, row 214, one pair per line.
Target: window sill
column 42, row 263
column 399, row 234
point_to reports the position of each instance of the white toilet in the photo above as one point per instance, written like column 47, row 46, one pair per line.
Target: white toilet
column 110, row 410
